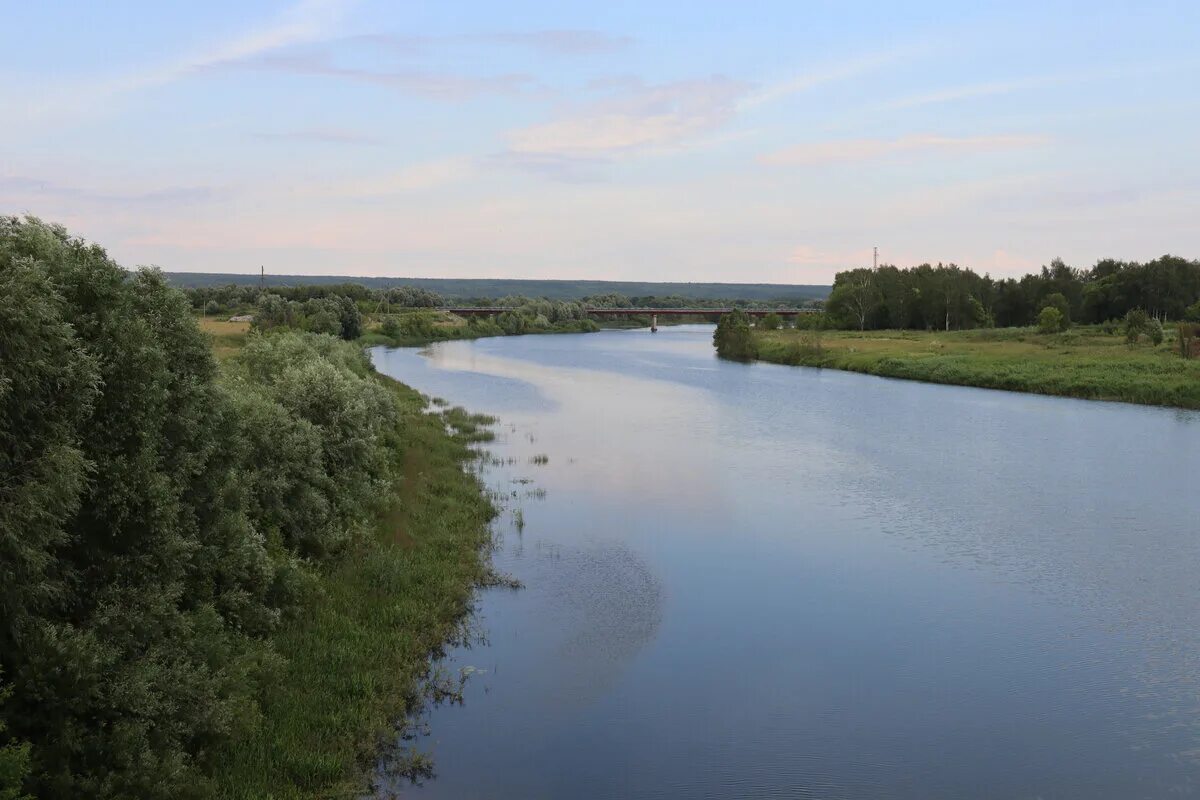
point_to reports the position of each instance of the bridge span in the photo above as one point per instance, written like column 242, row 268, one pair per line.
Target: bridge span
column 472, row 311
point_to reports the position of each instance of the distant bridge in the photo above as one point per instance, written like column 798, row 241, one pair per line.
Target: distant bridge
column 475, row 311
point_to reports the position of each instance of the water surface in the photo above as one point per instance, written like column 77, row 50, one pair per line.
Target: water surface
column 765, row 581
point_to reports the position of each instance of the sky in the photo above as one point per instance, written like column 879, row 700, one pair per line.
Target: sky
column 676, row 141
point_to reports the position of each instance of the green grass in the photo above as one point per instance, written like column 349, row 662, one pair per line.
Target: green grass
column 354, row 659
column 1083, row 362
column 227, row 337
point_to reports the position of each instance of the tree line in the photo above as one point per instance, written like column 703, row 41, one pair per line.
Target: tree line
column 947, row 297
column 159, row 517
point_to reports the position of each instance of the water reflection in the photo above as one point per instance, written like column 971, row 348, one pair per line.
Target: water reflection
column 766, row 581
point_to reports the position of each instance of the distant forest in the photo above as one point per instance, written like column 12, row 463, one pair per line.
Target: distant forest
column 949, row 297
column 460, row 289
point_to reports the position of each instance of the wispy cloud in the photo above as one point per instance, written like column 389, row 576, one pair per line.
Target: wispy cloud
column 427, row 84
column 641, row 118
column 843, row 150
column 416, row 177
column 974, row 91
column 822, row 74
column 321, row 136
column 571, row 42
column 15, row 190
column 561, row 42
column 307, row 21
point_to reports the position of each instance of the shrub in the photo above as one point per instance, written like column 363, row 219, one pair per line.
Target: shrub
column 1136, row 323
column 733, row 338
column 1050, row 320
column 1155, row 330
column 770, row 322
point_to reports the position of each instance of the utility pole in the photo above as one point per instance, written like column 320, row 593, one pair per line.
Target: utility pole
column 875, row 260
column 262, row 278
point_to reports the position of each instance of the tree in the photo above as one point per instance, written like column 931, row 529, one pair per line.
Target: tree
column 1136, row 323
column 1155, row 330
column 1059, row 302
column 733, row 337
column 351, row 318
column 132, row 586
column 1050, row 320
column 1192, row 314
column 770, row 322
column 855, row 295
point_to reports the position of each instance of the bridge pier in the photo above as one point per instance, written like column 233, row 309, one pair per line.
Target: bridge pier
column 654, row 323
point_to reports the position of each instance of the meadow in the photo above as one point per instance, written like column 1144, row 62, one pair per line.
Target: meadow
column 1084, row 362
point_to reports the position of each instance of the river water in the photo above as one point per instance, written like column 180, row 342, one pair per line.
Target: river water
column 765, row 581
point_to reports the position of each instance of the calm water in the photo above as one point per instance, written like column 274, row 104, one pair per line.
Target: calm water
column 762, row 581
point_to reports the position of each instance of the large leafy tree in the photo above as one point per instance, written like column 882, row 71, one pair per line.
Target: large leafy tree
column 132, row 582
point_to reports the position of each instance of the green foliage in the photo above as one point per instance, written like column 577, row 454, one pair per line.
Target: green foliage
column 733, row 338
column 1154, row 330
column 770, row 322
column 14, row 760
column 947, row 297
column 1136, row 323
column 134, row 585
column 1192, row 314
column 1058, row 302
column 336, row 315
column 159, row 520
column 1051, row 320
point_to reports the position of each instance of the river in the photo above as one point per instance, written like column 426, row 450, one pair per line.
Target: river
column 766, row 581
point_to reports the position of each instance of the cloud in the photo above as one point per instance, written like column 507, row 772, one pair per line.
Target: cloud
column 640, row 118
column 427, row 84
column 831, row 73
column 973, row 91
column 305, row 21
column 417, row 177
column 571, row 42
column 845, row 150
column 322, row 136
column 561, row 42
column 14, row 186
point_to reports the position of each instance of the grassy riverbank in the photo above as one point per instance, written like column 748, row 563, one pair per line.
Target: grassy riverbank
column 356, row 654
column 1084, row 363
column 352, row 659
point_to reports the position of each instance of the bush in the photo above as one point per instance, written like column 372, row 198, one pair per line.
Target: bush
column 1155, row 330
column 733, row 338
column 770, row 322
column 1050, row 320
column 1136, row 323
column 133, row 586
column 154, row 515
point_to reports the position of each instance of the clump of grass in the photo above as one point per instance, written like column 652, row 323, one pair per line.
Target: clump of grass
column 469, row 427
column 519, row 520
column 496, row 579
column 540, row 459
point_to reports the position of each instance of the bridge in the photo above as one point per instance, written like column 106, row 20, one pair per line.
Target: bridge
column 472, row 311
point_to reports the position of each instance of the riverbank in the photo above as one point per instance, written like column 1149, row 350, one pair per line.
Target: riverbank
column 1084, row 363
column 354, row 656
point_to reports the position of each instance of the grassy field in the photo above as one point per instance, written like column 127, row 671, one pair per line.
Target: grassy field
column 354, row 661
column 227, row 337
column 1083, row 363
